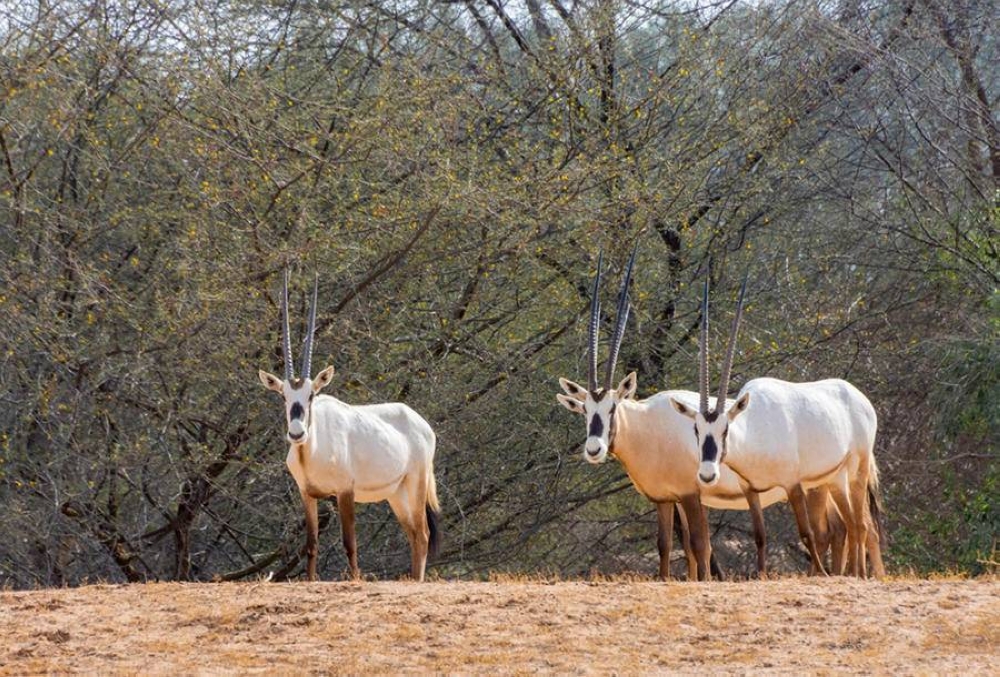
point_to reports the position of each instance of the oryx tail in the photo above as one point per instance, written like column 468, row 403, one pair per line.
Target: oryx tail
column 432, row 509
column 875, row 502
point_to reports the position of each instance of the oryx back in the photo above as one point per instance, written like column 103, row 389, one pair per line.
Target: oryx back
column 802, row 431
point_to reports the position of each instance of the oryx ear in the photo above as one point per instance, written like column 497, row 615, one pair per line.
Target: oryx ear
column 571, row 403
column 683, row 408
column 323, row 379
column 573, row 389
column 626, row 388
column 740, row 406
column 270, row 381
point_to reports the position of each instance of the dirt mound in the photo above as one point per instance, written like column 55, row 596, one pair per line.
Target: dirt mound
column 798, row 624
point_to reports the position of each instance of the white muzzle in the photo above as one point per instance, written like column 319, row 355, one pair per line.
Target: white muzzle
column 595, row 450
column 296, row 431
column 708, row 473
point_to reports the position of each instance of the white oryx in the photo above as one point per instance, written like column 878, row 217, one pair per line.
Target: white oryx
column 793, row 437
column 658, row 448
column 364, row 454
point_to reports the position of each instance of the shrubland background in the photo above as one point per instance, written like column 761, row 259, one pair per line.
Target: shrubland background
column 450, row 169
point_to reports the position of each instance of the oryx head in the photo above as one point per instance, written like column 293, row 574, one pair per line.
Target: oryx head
column 298, row 392
column 711, row 427
column 598, row 403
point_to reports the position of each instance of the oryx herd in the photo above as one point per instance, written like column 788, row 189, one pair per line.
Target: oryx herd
column 811, row 444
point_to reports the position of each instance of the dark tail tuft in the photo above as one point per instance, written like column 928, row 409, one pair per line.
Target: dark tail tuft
column 875, row 508
column 434, row 543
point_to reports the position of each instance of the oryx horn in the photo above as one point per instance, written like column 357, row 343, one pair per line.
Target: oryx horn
column 621, row 319
column 703, row 353
column 310, row 330
column 727, row 365
column 595, row 321
column 286, row 341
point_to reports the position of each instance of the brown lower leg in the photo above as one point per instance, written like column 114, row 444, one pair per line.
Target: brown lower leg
column 312, row 534
column 345, row 506
column 759, row 534
column 689, row 556
column 817, row 502
column 698, row 527
column 418, row 549
column 797, row 497
column 665, row 535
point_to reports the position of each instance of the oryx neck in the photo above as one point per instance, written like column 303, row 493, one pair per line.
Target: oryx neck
column 734, row 445
column 620, row 441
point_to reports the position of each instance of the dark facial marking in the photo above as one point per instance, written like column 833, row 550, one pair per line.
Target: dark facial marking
column 296, row 383
column 709, row 451
column 596, row 426
column 711, row 416
column 296, row 411
column 599, row 394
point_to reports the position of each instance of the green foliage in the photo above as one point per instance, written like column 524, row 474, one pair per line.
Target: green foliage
column 969, row 405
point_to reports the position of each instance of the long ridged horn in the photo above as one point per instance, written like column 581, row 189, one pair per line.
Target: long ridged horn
column 730, row 350
column 286, row 340
column 703, row 353
column 308, row 350
column 595, row 321
column 621, row 319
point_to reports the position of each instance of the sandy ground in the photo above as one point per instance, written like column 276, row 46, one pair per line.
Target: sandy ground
column 792, row 625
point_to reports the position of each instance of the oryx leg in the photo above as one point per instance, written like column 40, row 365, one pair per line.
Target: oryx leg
column 875, row 550
column 759, row 534
column 841, row 496
column 345, row 506
column 817, row 502
column 797, row 497
column 838, row 545
column 408, row 505
column 689, row 554
column 421, row 540
column 836, row 537
column 311, row 506
column 859, row 499
column 698, row 528
column 665, row 535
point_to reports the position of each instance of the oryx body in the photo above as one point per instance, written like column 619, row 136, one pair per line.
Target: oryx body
column 370, row 450
column 792, row 436
column 814, row 435
column 364, row 454
column 808, row 433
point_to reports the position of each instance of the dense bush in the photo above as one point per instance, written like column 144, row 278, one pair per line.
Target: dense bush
column 450, row 171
